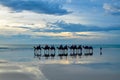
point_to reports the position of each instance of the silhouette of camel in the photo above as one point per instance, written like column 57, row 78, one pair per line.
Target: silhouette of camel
column 52, row 48
column 73, row 50
column 65, row 51
column 37, row 51
column 46, row 51
column 60, row 51
column 79, row 50
column 89, row 49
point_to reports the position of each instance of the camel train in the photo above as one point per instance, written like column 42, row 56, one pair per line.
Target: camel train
column 62, row 51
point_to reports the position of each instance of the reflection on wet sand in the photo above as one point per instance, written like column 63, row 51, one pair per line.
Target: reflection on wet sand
column 14, row 71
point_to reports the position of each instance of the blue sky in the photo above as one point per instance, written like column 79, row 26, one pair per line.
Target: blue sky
column 60, row 21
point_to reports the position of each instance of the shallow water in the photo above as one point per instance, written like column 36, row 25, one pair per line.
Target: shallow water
column 18, row 60
column 25, row 53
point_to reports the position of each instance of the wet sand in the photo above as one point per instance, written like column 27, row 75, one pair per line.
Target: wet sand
column 11, row 71
column 20, row 65
column 77, row 72
column 58, row 71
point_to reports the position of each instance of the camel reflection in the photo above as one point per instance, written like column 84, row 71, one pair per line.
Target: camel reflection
column 63, row 51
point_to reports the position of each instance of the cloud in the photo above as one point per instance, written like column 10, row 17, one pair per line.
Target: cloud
column 19, row 32
column 59, row 29
column 71, row 27
column 38, row 6
column 112, row 8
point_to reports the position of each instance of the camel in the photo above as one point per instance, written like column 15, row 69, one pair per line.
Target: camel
column 65, row 51
column 37, row 51
column 89, row 49
column 60, row 51
column 73, row 50
column 46, row 51
column 79, row 50
column 52, row 48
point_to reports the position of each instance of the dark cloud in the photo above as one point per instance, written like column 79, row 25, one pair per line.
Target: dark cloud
column 38, row 6
column 61, row 26
column 70, row 27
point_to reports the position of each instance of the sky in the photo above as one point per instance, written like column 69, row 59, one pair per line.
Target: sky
column 59, row 21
